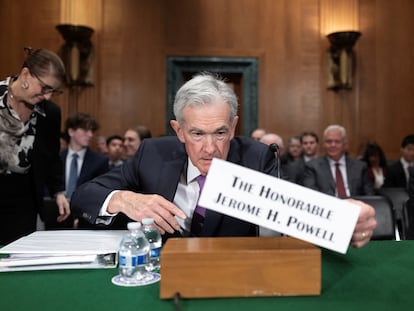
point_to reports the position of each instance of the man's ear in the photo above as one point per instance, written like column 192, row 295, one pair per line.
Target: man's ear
column 233, row 126
column 178, row 130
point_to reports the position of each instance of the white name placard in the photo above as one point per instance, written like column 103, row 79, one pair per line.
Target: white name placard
column 279, row 205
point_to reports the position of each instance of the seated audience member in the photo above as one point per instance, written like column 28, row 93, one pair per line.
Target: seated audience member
column 161, row 181
column 115, row 151
column 337, row 174
column 258, row 133
column 377, row 163
column 397, row 173
column 272, row 138
column 293, row 151
column 101, row 146
column 133, row 138
column 310, row 148
column 310, row 145
column 80, row 163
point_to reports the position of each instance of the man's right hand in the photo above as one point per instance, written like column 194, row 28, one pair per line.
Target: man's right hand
column 138, row 206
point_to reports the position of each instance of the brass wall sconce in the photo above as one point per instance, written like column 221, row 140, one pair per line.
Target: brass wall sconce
column 78, row 54
column 341, row 59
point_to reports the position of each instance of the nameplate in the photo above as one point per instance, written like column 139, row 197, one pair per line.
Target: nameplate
column 279, row 205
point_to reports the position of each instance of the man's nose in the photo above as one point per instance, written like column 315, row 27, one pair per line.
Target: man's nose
column 209, row 144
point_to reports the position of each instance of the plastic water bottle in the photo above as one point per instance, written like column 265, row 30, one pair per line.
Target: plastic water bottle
column 134, row 255
column 154, row 238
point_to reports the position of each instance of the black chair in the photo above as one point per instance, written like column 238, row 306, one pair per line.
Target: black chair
column 384, row 215
column 398, row 198
column 409, row 210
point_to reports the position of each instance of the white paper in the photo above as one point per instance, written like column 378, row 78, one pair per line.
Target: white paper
column 63, row 249
column 279, row 205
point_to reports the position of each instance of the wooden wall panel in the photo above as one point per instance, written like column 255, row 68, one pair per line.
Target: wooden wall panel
column 386, row 52
column 132, row 66
column 283, row 35
column 134, row 37
column 24, row 24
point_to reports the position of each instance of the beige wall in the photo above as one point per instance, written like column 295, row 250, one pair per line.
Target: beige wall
column 134, row 37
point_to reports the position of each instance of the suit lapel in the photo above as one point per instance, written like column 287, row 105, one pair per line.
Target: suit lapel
column 328, row 175
column 86, row 165
column 171, row 173
column 349, row 176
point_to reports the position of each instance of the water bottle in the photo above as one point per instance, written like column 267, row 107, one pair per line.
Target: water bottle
column 154, row 238
column 134, row 255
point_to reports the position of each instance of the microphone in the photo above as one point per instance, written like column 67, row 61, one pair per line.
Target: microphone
column 276, row 149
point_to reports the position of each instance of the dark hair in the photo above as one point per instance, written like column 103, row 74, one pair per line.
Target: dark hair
column 42, row 62
column 408, row 140
column 142, row 131
column 81, row 120
column 113, row 137
column 373, row 149
column 313, row 134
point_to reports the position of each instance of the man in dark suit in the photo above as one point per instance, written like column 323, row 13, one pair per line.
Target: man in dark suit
column 160, row 180
column 80, row 129
column 321, row 173
column 410, row 206
column 310, row 147
column 397, row 174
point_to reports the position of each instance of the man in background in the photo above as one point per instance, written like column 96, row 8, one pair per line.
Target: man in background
column 397, row 174
column 81, row 164
column 133, row 138
column 258, row 133
column 115, row 151
column 337, row 174
column 310, row 147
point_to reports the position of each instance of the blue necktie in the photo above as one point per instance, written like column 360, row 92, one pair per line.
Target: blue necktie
column 199, row 212
column 73, row 176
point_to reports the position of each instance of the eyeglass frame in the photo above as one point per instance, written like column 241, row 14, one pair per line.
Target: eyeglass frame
column 46, row 89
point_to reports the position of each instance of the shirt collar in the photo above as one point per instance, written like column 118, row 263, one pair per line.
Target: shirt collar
column 192, row 171
column 81, row 153
column 341, row 161
column 404, row 162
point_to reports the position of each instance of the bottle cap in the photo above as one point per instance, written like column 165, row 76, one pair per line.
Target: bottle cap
column 134, row 226
column 147, row 221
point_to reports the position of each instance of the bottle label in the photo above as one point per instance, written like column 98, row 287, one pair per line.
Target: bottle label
column 133, row 261
column 155, row 252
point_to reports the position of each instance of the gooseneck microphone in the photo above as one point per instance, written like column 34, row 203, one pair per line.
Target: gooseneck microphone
column 275, row 149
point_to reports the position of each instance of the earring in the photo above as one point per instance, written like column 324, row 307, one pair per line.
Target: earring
column 25, row 85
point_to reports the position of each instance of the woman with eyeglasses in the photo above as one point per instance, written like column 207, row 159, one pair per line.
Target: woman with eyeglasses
column 29, row 144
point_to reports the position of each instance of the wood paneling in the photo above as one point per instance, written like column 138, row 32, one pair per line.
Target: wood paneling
column 134, row 37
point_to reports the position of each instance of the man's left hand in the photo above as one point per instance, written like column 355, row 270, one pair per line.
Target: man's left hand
column 365, row 226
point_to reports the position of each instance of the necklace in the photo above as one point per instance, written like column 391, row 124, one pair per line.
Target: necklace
column 23, row 111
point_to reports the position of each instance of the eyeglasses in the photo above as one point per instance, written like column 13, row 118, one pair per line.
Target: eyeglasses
column 46, row 89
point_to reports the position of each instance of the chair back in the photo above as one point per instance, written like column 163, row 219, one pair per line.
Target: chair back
column 399, row 197
column 384, row 215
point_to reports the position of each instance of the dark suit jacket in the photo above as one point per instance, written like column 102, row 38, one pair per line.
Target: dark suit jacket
column 156, row 169
column 410, row 206
column 47, row 169
column 318, row 176
column 294, row 171
column 94, row 164
column 395, row 176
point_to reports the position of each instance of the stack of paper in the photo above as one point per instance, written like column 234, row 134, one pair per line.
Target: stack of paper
column 63, row 249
